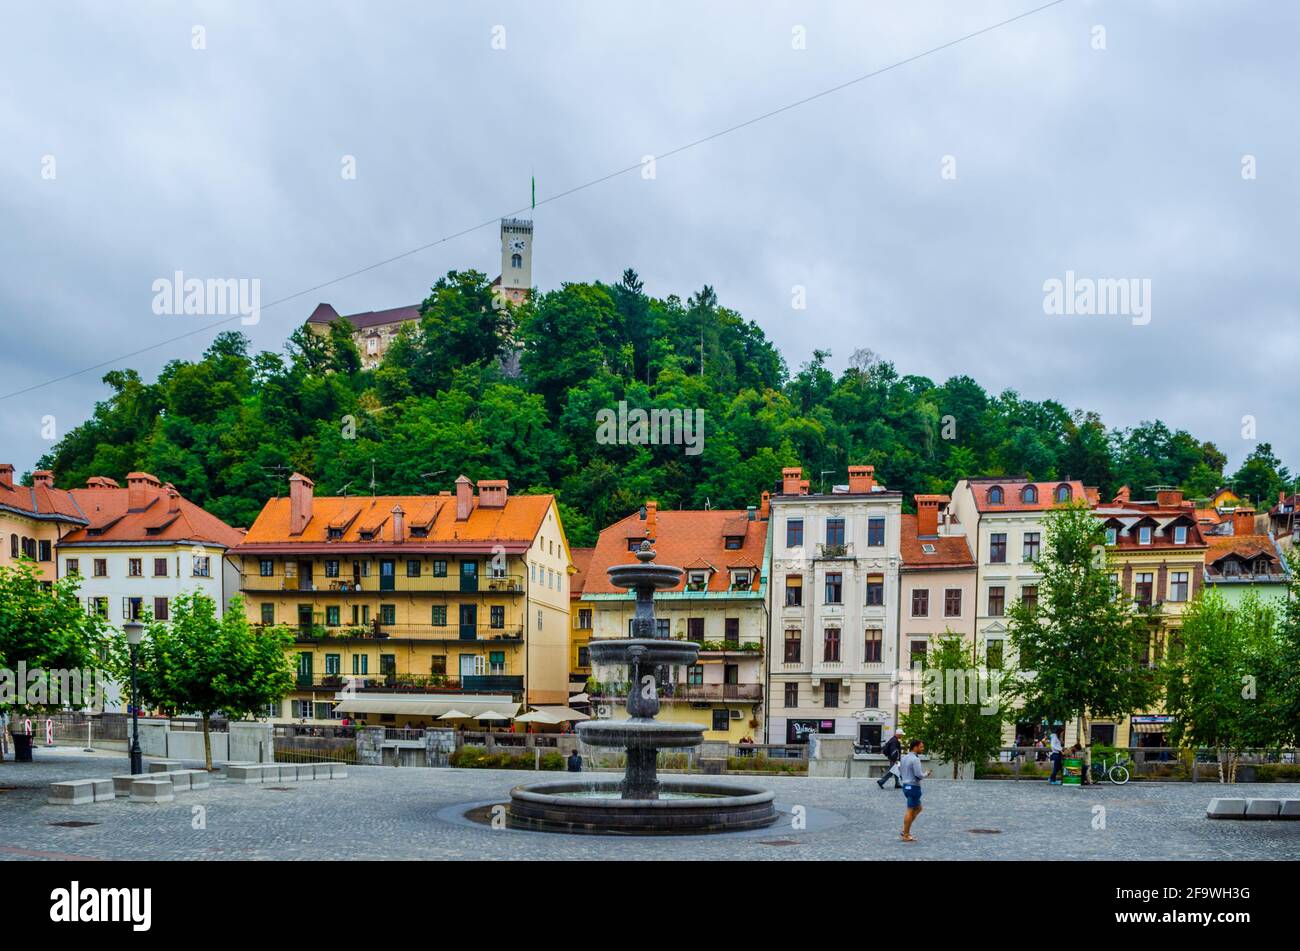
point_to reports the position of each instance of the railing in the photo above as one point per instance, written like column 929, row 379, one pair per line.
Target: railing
column 424, row 584
column 376, row 630
column 770, row 750
column 1146, row 762
column 319, row 731
column 428, row 682
column 712, row 691
column 843, row 550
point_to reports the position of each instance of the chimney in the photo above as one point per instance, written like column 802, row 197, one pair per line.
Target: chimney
column 141, row 490
column 464, row 498
column 765, row 507
column 651, row 508
column 751, row 512
column 399, row 524
column 1093, row 494
column 492, row 493
column 7, row 475
column 1243, row 521
column 790, row 483
column 1169, row 498
column 300, row 496
column 1281, row 493
column 43, row 477
column 861, row 479
column 173, row 499
column 1123, row 495
column 927, row 513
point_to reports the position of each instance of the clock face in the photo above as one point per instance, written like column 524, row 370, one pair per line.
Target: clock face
column 516, row 244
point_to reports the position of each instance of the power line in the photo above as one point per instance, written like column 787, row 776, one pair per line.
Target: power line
column 207, row 328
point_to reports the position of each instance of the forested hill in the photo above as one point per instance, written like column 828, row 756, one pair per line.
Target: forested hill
column 230, row 428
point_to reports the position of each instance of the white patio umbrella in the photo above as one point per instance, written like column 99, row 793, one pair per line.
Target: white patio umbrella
column 579, row 698
column 454, row 715
column 537, row 716
column 491, row 715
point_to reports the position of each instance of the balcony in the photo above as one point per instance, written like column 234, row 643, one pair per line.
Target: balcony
column 413, row 683
column 685, row 692
column 373, row 586
column 375, row 630
column 831, row 552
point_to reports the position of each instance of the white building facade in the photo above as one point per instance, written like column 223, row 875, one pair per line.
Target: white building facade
column 833, row 643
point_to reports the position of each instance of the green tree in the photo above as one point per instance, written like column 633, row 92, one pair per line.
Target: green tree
column 46, row 627
column 1078, row 652
column 197, row 662
column 1212, row 679
column 960, row 716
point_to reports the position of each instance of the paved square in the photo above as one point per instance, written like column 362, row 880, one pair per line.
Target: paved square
column 392, row 813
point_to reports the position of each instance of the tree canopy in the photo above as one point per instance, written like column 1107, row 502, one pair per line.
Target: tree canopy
column 495, row 390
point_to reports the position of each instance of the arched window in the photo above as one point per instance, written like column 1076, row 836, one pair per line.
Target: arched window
column 1029, row 495
column 516, row 260
column 995, row 495
column 1062, row 493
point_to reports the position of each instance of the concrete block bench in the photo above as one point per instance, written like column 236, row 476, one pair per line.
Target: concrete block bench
column 180, row 779
column 152, row 790
column 79, row 792
column 164, row 765
column 338, row 770
column 245, row 773
column 1255, row 809
column 199, row 778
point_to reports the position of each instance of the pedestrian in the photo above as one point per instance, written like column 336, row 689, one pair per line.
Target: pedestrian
column 1058, row 747
column 893, row 750
column 575, row 762
column 913, row 773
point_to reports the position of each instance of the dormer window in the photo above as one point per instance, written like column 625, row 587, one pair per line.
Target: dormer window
column 634, row 544
column 740, row 580
column 1144, row 535
column 1112, row 536
column 1180, row 534
column 1063, row 493
column 334, row 534
column 1029, row 495
column 995, row 495
column 927, row 548
column 697, row 580
column 735, row 542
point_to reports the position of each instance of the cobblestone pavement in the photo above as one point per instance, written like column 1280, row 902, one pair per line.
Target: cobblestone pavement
column 391, row 813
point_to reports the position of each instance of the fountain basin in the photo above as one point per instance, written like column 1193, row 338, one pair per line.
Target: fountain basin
column 650, row 650
column 688, row 808
column 644, row 575
column 640, row 733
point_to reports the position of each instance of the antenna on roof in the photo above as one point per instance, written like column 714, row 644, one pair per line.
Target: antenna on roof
column 344, row 491
column 824, row 473
column 372, row 478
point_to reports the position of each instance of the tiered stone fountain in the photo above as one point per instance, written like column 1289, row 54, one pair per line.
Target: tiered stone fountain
column 640, row 804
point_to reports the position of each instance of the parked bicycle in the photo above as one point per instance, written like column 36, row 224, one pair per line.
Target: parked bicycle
column 1116, row 770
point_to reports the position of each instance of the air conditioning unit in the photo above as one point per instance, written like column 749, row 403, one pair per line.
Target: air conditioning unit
column 735, row 714
column 603, row 711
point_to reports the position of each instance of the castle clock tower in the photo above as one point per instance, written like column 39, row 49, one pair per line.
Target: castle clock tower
column 516, row 258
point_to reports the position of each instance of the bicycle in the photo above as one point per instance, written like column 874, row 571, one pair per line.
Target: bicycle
column 1117, row 770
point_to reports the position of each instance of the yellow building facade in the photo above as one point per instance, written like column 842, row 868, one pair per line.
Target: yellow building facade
column 442, row 594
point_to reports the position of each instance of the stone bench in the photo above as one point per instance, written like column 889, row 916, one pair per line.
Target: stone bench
column 80, row 792
column 241, row 773
column 1256, row 809
column 151, row 790
column 164, row 765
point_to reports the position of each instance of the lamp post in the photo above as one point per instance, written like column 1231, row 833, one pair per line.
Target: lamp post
column 134, row 631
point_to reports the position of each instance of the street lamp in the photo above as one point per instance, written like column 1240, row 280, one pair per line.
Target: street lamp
column 134, row 631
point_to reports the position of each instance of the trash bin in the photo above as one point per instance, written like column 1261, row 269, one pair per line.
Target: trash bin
column 1071, row 772
column 22, row 748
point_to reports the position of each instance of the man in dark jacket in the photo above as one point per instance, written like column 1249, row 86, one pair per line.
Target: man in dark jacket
column 893, row 750
column 575, row 762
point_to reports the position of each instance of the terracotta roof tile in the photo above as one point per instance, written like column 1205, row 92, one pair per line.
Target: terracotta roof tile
column 1011, row 494
column 111, row 520
column 581, row 558
column 950, row 551
column 687, row 539
column 513, row 526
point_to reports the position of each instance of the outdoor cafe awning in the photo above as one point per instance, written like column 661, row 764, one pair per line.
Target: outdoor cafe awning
column 561, row 714
column 426, row 705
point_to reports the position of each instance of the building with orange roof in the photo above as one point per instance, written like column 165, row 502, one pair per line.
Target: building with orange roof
column 142, row 545
column 462, row 594
column 580, row 620
column 836, row 561
column 33, row 519
column 1002, row 518
column 720, row 603
column 1240, row 560
column 1155, row 551
column 937, row 582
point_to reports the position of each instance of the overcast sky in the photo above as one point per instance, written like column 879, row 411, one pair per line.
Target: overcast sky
column 226, row 161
